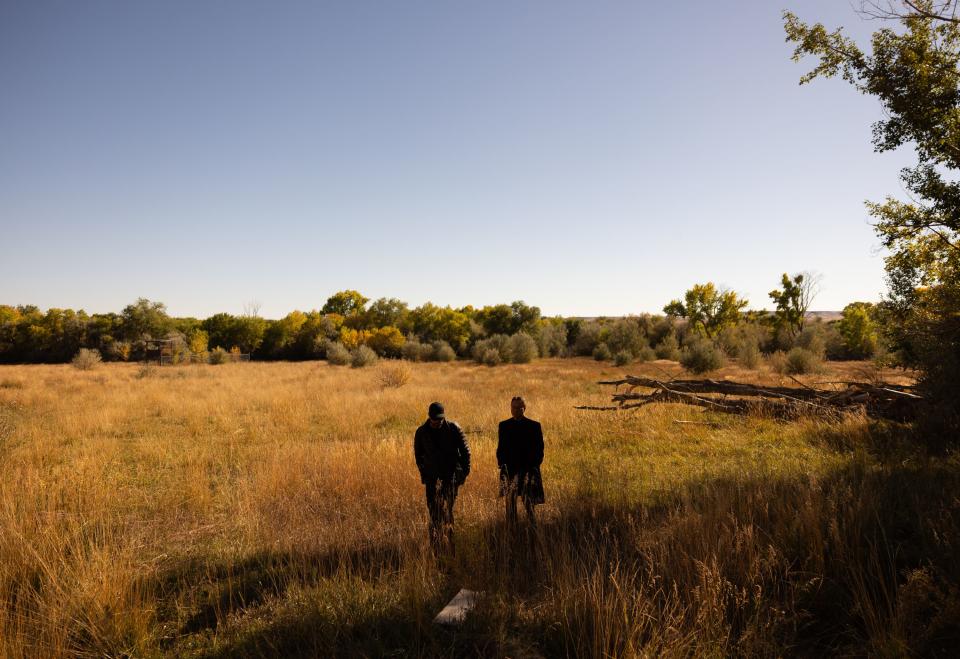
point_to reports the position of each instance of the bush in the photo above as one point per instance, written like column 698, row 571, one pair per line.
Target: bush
column 496, row 342
column 658, row 328
column 86, row 359
column 587, row 339
column 491, row 357
column 442, row 352
column 777, row 362
column 622, row 358
column 414, row 351
column 219, row 356
column 552, row 340
column 179, row 349
column 363, row 356
column 338, row 354
column 814, row 338
column 669, row 348
column 624, row 335
column 744, row 338
column 748, row 355
column 801, row 361
column 601, row 353
column 701, row 357
column 646, row 354
column 120, row 350
column 522, row 348
column 394, row 375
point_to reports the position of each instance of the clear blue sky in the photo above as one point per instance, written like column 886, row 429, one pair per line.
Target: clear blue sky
column 593, row 158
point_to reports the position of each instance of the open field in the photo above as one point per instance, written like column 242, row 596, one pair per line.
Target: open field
column 275, row 509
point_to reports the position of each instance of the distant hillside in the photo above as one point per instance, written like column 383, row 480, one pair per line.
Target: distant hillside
column 825, row 316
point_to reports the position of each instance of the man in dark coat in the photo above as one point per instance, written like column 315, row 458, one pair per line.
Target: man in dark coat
column 519, row 455
column 443, row 458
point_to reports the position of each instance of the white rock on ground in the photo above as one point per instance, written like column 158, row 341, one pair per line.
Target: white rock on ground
column 454, row 612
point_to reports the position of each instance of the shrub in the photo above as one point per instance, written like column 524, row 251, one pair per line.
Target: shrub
column 338, row 354
column 414, row 351
column 625, row 335
column 669, row 348
column 622, row 358
column 748, row 354
column 491, row 357
column 442, row 352
column 701, row 357
column 522, row 348
column 814, row 338
column 658, row 328
column 363, row 356
column 219, row 356
column 394, row 375
column 646, row 354
column 601, row 353
column 800, row 361
column 777, row 362
column 179, row 349
column 744, row 338
column 120, row 350
column 498, row 342
column 587, row 339
column 552, row 340
column 86, row 359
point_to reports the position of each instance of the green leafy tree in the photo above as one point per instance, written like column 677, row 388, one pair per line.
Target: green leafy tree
column 858, row 329
column 227, row 331
column 220, row 330
column 509, row 318
column 248, row 333
column 314, row 334
column 145, row 318
column 624, row 335
column 433, row 323
column 345, row 303
column 708, row 309
column 913, row 69
column 387, row 312
column 280, row 335
column 793, row 301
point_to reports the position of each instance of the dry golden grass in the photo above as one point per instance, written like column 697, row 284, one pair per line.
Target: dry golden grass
column 274, row 509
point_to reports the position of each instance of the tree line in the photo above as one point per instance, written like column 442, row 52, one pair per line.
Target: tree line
column 707, row 319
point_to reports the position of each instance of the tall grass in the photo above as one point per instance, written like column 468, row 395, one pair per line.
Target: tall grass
column 274, row 509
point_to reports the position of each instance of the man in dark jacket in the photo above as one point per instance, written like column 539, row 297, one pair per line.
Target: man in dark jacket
column 443, row 458
column 519, row 455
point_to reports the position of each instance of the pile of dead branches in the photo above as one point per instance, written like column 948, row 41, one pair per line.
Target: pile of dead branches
column 886, row 401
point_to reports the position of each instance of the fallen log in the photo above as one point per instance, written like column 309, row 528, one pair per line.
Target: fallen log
column 896, row 402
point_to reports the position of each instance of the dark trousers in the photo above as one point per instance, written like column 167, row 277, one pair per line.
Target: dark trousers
column 440, row 498
column 513, row 487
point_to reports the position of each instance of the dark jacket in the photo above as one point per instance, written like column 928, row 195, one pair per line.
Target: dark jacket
column 520, row 446
column 442, row 453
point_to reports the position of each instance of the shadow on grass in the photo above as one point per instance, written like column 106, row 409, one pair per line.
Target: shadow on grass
column 857, row 561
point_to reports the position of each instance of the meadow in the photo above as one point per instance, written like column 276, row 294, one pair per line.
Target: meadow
column 274, row 509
